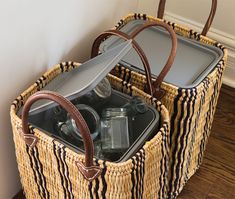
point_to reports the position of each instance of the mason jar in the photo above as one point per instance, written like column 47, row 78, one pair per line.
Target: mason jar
column 68, row 130
column 98, row 96
column 114, row 129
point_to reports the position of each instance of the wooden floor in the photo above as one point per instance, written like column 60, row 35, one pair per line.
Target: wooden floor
column 216, row 177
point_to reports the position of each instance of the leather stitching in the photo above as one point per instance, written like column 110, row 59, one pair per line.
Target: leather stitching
column 80, row 122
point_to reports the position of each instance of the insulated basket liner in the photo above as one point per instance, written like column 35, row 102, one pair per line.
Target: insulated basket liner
column 193, row 60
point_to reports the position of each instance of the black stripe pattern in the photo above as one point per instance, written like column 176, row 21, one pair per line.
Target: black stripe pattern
column 37, row 168
column 187, row 110
column 60, row 154
column 137, row 174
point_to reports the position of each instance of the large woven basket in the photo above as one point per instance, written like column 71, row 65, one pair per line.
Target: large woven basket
column 191, row 109
column 48, row 169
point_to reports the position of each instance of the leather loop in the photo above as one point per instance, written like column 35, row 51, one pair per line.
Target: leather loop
column 171, row 57
column 138, row 49
column 30, row 139
column 161, row 10
column 88, row 170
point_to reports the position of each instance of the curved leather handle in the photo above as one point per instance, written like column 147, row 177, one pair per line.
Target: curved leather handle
column 172, row 55
column 88, row 170
column 161, row 10
column 101, row 37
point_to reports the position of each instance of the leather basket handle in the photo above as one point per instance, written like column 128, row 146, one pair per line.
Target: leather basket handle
column 101, row 37
column 161, row 10
column 170, row 60
column 154, row 88
column 88, row 170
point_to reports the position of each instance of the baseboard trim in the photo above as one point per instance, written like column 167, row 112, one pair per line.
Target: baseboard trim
column 226, row 39
column 229, row 75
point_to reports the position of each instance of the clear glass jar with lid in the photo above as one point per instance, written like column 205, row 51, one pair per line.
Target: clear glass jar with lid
column 114, row 129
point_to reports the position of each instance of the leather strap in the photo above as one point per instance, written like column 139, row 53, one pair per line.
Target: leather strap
column 170, row 60
column 154, row 88
column 88, row 170
column 161, row 10
column 138, row 49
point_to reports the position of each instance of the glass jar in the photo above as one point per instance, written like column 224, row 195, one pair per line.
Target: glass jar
column 114, row 129
column 136, row 106
column 68, row 130
column 103, row 90
column 98, row 96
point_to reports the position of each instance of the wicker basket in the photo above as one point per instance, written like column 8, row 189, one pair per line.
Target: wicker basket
column 48, row 169
column 191, row 109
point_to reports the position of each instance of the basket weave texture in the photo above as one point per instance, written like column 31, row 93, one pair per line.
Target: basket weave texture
column 191, row 110
column 48, row 170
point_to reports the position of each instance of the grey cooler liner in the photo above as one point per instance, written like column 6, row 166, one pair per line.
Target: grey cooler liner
column 192, row 64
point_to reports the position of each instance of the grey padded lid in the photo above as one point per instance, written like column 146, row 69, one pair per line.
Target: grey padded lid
column 84, row 78
column 193, row 59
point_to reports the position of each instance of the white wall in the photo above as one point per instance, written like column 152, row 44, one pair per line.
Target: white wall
column 197, row 11
column 34, row 36
column 194, row 14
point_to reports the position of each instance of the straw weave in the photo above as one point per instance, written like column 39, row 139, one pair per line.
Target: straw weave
column 49, row 171
column 191, row 110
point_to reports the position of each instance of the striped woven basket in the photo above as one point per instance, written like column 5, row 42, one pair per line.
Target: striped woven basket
column 48, row 169
column 191, row 109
